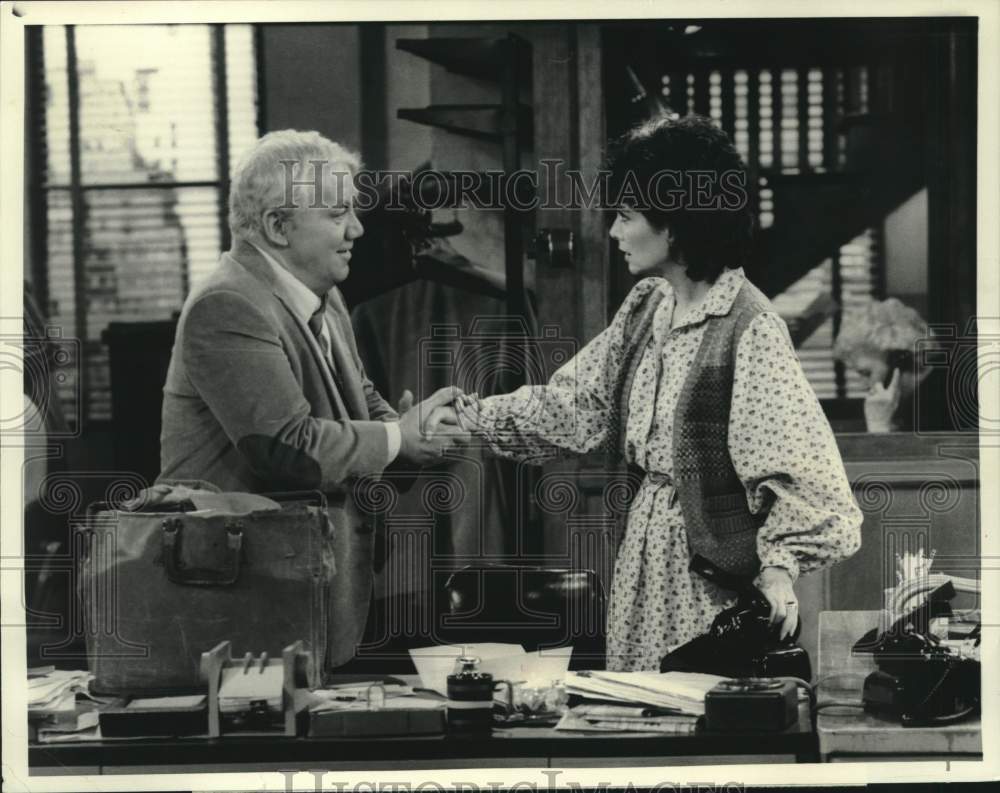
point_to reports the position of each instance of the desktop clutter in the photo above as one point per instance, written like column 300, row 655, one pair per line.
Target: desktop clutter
column 222, row 629
column 225, row 632
column 464, row 691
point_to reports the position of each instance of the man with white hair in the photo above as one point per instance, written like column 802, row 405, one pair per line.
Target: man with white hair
column 265, row 390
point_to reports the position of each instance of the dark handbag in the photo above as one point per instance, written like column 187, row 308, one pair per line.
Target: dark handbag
column 160, row 588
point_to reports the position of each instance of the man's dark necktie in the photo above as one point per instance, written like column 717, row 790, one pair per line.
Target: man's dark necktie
column 316, row 326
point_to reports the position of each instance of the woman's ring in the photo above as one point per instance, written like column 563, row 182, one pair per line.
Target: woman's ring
column 791, row 603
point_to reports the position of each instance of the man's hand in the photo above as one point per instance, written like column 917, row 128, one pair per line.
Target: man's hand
column 881, row 403
column 429, row 428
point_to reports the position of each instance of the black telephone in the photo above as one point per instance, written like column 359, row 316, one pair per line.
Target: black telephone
column 741, row 642
column 920, row 681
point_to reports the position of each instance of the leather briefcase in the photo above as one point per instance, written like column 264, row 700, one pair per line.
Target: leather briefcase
column 159, row 588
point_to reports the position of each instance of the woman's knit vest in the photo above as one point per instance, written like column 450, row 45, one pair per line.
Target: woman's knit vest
column 718, row 521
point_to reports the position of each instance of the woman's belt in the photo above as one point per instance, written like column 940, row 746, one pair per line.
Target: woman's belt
column 657, row 481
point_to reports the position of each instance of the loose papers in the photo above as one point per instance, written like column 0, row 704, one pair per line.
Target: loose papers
column 355, row 697
column 243, row 685
column 683, row 692
column 52, row 696
column 85, row 727
column 53, row 709
column 580, row 718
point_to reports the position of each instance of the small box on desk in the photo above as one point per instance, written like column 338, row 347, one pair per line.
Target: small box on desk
column 354, row 723
column 157, row 717
column 752, row 705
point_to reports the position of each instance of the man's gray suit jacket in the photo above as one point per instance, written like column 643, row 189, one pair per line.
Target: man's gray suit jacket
column 250, row 406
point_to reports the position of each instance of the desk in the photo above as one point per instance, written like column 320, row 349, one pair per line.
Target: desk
column 533, row 747
column 852, row 735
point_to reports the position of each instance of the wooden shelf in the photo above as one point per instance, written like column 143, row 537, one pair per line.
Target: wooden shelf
column 483, row 59
column 475, row 121
column 505, row 61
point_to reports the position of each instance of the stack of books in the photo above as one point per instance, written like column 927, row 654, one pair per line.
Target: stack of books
column 670, row 702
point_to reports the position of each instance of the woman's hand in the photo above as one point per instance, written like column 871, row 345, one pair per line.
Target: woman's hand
column 467, row 409
column 776, row 585
column 881, row 403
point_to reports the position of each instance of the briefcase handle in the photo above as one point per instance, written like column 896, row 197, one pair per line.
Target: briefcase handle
column 171, row 536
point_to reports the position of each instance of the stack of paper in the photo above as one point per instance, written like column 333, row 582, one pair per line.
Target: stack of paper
column 683, row 692
column 355, row 697
column 243, row 685
column 617, row 718
column 84, row 728
column 52, row 696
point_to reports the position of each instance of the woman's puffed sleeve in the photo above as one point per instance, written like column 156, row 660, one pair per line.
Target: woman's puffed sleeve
column 577, row 411
column 786, row 456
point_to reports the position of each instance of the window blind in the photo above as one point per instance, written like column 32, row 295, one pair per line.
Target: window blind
column 149, row 191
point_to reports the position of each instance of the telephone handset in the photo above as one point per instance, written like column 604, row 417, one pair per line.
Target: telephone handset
column 898, row 359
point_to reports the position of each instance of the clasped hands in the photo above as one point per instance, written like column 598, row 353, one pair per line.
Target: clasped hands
column 430, row 428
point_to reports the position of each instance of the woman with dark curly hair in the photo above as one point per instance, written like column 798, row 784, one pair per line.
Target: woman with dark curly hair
column 696, row 384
